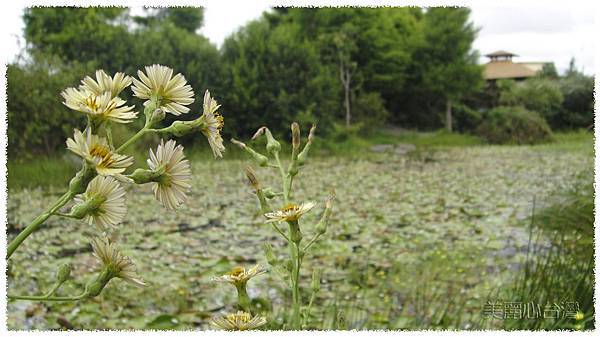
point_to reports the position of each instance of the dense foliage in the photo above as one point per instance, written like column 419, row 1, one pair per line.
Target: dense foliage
column 565, row 102
column 273, row 76
column 514, row 125
column 38, row 121
column 348, row 69
column 284, row 66
column 537, row 94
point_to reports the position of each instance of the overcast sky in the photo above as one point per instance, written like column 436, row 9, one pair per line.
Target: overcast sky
column 537, row 33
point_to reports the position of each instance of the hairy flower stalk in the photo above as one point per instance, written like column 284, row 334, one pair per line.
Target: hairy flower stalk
column 290, row 213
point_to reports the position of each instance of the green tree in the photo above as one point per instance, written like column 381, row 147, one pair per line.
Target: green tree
column 96, row 34
column 541, row 95
column 37, row 120
column 578, row 104
column 114, row 41
column 549, row 71
column 369, row 48
column 272, row 75
column 187, row 18
column 443, row 69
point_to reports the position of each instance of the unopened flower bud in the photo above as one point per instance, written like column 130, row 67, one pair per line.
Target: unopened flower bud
column 157, row 116
column 273, row 146
column 295, row 137
column 94, row 287
column 251, row 177
column 311, row 135
column 87, row 207
column 180, row 128
column 321, row 227
column 143, row 176
column 269, row 254
column 262, row 160
column 79, row 183
column 295, row 234
column 269, row 194
column 315, row 283
column 63, row 272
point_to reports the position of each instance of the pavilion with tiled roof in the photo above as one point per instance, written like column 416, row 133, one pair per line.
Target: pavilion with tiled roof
column 501, row 66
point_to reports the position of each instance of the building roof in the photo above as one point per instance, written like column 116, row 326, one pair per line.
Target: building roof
column 501, row 53
column 507, row 69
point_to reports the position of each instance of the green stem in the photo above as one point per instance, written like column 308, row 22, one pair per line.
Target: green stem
column 16, row 242
column 280, row 231
column 53, row 289
column 44, row 298
column 243, row 298
column 313, row 240
column 109, row 136
column 286, row 192
column 132, row 139
column 296, row 287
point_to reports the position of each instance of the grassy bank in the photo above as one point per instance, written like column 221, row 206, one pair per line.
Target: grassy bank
column 56, row 171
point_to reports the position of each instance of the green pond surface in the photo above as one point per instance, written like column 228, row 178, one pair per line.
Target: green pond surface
column 407, row 237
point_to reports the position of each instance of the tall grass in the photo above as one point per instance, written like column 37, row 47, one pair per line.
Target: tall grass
column 560, row 269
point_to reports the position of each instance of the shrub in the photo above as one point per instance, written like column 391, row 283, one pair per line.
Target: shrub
column 38, row 122
column 538, row 94
column 578, row 105
column 466, row 119
column 514, row 125
column 369, row 110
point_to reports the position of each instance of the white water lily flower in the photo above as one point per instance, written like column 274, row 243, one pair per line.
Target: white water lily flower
column 104, row 83
column 95, row 150
column 291, row 212
column 213, row 124
column 100, row 107
column 171, row 91
column 105, row 201
column 175, row 181
column 239, row 321
column 118, row 264
column 239, row 275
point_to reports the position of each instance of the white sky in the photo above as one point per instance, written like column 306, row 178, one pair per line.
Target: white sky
column 545, row 31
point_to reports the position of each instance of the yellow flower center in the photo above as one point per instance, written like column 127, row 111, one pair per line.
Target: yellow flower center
column 290, row 207
column 237, row 271
column 92, row 103
column 243, row 317
column 103, row 153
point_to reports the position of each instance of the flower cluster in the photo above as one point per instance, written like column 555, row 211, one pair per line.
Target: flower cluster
column 99, row 99
column 242, row 320
column 290, row 213
column 97, row 192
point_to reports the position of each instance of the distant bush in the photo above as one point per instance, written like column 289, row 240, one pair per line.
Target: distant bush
column 465, row 118
column 38, row 122
column 513, row 125
column 369, row 110
column 537, row 94
column 578, row 105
